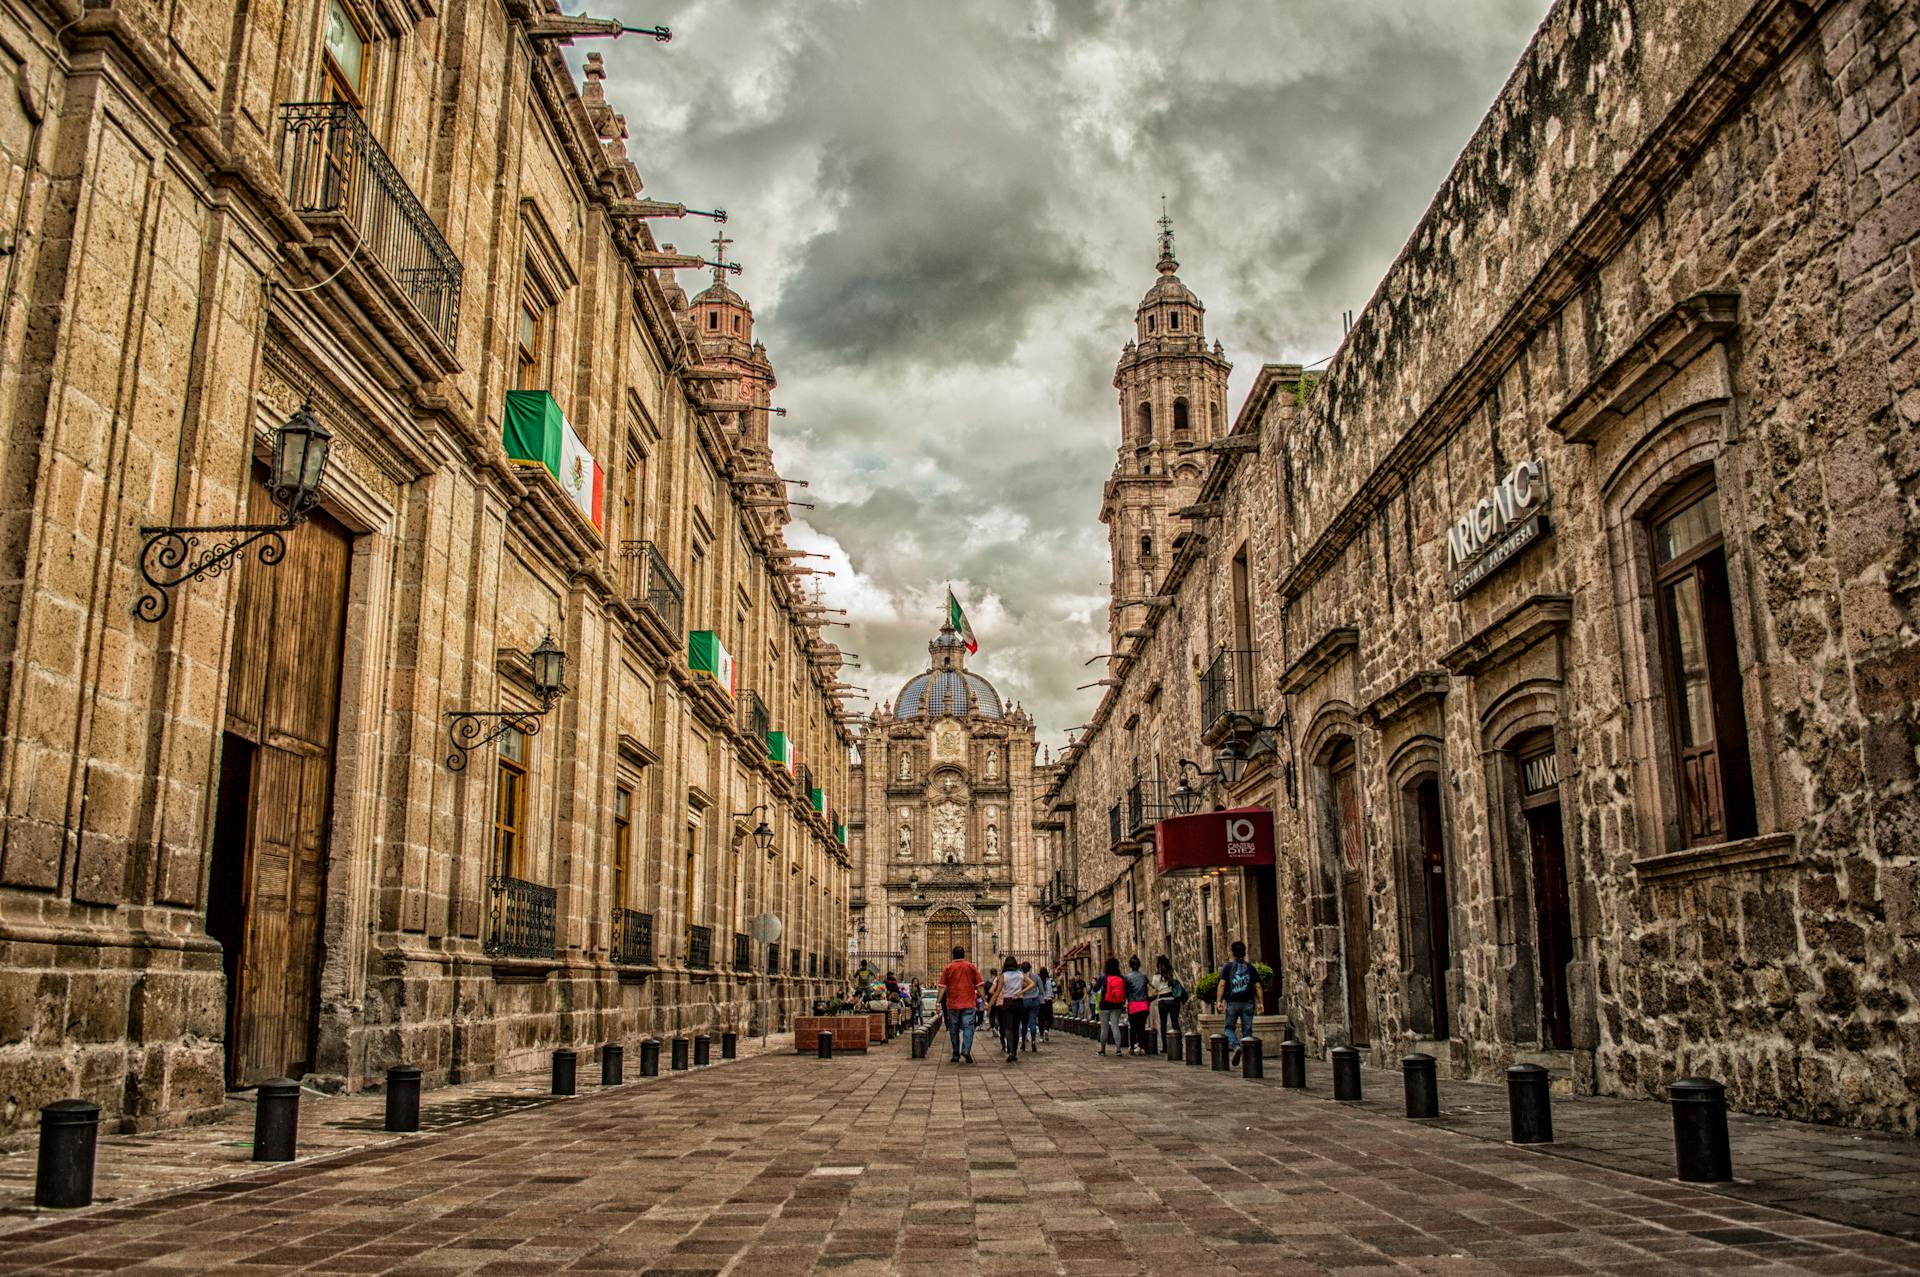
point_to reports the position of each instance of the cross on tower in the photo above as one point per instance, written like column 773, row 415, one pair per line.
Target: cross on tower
column 1166, row 232
column 720, row 242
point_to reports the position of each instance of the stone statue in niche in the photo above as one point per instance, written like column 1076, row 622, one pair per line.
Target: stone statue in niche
column 993, row 842
column 949, row 832
column 906, row 842
column 906, row 763
column 993, row 763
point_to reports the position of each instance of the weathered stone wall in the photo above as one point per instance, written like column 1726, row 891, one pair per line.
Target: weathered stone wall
column 166, row 308
column 1680, row 244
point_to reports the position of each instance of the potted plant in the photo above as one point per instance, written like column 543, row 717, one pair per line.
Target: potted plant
column 1207, row 988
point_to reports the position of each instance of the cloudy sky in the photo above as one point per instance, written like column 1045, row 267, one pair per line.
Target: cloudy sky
column 946, row 212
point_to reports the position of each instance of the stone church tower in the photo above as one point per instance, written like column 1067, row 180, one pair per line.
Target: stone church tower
column 1173, row 397
column 942, row 840
column 722, row 323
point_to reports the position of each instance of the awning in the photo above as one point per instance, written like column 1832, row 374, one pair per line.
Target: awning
column 1094, row 924
column 1076, row 952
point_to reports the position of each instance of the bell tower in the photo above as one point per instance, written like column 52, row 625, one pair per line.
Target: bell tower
column 1173, row 397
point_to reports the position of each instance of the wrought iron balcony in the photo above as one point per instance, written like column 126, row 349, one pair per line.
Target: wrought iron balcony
column 1224, row 688
column 632, row 938
column 753, row 718
column 1139, row 811
column 1114, row 832
column 521, row 922
column 700, row 948
column 742, row 951
column 806, row 780
column 653, row 589
column 335, row 168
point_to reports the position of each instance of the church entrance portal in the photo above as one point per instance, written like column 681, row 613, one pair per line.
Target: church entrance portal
column 945, row 929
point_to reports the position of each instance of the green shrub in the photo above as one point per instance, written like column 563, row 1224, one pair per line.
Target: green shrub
column 1265, row 973
column 1207, row 987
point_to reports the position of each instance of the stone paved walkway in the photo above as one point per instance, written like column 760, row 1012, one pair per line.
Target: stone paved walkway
column 882, row 1164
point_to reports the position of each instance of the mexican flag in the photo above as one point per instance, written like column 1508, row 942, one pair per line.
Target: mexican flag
column 536, row 432
column 780, row 750
column 706, row 656
column 958, row 620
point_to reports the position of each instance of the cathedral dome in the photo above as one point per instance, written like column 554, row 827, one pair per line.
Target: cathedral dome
column 949, row 688
column 718, row 294
column 1168, row 288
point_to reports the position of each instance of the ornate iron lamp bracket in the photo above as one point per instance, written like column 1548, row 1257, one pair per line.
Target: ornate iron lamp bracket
column 468, row 730
column 171, row 556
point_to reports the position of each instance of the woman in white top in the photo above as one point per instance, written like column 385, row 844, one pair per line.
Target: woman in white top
column 1007, row 1007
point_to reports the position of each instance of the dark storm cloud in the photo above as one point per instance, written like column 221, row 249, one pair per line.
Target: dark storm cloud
column 947, row 216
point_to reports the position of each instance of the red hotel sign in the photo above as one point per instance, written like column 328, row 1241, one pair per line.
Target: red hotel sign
column 1214, row 840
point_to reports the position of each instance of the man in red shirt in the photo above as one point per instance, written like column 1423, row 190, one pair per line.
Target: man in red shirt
column 960, row 998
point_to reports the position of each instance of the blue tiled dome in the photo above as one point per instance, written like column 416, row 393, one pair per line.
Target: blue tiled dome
column 942, row 692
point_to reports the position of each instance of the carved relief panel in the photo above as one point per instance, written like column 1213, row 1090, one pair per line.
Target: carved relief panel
column 949, row 833
column 949, row 743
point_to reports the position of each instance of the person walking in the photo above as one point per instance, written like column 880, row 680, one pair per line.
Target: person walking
column 1239, row 988
column 913, row 1007
column 1008, row 1003
column 1046, row 1005
column 1029, row 1025
column 1112, row 996
column 1171, row 997
column 959, row 1001
column 1139, row 999
column 1077, row 998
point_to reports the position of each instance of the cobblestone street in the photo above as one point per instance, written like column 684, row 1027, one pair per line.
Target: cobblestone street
column 1066, row 1163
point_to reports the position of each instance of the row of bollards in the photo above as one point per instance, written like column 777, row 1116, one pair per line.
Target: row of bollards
column 69, row 1129
column 1699, row 1105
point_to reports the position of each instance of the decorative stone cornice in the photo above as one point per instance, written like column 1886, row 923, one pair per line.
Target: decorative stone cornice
column 1666, row 346
column 1428, row 687
column 1512, row 634
column 1319, row 657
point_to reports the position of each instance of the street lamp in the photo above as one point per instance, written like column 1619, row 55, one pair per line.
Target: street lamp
column 467, row 728
column 296, row 464
column 1231, row 760
column 762, row 832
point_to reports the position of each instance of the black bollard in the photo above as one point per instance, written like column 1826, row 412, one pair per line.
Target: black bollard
column 566, row 1069
column 1422, row 1084
column 1346, row 1074
column 679, row 1064
column 276, row 1120
column 1529, row 1108
column 403, row 1098
column 1176, row 1046
column 1250, row 1063
column 1193, row 1050
column 69, row 1133
column 729, row 1045
column 1293, row 1063
column 1700, row 1150
column 919, row 1046
column 702, row 1050
column 826, row 1044
column 1217, row 1052
column 613, row 1064
column 650, row 1057
column 1149, row 1043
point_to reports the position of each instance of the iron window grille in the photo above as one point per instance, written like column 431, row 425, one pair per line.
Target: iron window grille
column 335, row 168
column 1114, row 832
column 742, row 951
column 700, row 947
column 632, row 938
column 522, row 919
column 754, row 719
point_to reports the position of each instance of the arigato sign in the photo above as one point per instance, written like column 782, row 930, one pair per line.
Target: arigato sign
column 1498, row 526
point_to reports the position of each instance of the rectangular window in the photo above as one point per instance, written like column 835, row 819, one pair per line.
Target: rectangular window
column 510, row 806
column 630, row 507
column 622, row 844
column 528, row 343
column 344, row 63
column 1700, row 667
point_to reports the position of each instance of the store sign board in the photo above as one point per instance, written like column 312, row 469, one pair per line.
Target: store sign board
column 1498, row 526
column 1209, row 840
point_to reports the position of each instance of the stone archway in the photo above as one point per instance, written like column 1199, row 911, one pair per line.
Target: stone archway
column 947, row 927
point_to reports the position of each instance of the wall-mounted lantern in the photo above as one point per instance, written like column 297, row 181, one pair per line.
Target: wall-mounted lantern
column 468, row 729
column 762, row 832
column 171, row 556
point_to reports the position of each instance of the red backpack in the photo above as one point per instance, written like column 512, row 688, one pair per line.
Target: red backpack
column 1116, row 991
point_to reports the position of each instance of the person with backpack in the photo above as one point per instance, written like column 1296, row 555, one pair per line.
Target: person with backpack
column 1139, row 999
column 1112, row 994
column 1029, row 1025
column 1010, row 1006
column 1077, row 998
column 1239, row 990
column 1172, row 997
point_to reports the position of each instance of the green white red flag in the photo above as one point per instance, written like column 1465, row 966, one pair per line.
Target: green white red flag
column 958, row 620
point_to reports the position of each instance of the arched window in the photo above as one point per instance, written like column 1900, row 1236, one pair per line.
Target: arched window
column 1180, row 417
column 1149, row 323
column 1143, row 421
column 1146, row 545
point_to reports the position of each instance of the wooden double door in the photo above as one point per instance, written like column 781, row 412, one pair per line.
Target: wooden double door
column 265, row 904
column 945, row 930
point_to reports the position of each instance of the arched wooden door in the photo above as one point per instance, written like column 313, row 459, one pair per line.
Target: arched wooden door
column 945, row 929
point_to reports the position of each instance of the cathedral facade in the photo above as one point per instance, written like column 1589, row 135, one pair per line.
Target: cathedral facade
column 942, row 838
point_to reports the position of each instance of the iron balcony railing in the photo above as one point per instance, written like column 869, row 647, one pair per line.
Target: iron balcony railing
column 632, row 938
column 1139, row 812
column 700, row 948
column 654, row 588
column 1217, row 698
column 773, row 959
column 1114, row 831
column 335, row 167
column 742, row 951
column 522, row 919
column 806, row 780
column 754, row 719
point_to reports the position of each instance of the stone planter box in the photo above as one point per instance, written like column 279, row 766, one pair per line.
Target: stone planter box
column 850, row 1032
column 1270, row 1029
column 876, row 1028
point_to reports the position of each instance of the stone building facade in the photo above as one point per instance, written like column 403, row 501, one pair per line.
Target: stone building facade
column 1580, row 662
column 241, row 836
column 942, row 836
